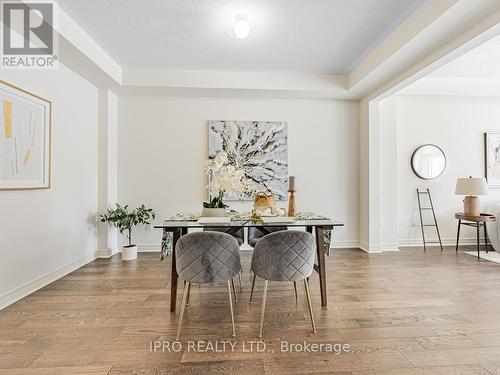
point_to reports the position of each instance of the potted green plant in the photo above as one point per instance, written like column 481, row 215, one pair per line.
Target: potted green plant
column 215, row 206
column 124, row 220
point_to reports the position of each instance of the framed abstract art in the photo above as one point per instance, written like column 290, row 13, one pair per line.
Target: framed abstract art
column 492, row 158
column 259, row 148
column 25, row 122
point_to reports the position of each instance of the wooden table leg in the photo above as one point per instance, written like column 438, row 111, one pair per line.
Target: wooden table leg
column 174, row 276
column 320, row 248
column 477, row 238
column 458, row 234
column 485, row 238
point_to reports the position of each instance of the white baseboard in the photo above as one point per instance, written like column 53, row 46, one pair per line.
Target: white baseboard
column 389, row 247
column 106, row 253
column 152, row 248
column 370, row 249
column 148, row 248
column 446, row 242
column 345, row 244
column 416, row 242
column 42, row 281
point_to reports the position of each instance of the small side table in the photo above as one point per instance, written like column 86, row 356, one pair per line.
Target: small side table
column 477, row 222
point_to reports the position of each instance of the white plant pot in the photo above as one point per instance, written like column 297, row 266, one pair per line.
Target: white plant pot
column 129, row 252
column 213, row 212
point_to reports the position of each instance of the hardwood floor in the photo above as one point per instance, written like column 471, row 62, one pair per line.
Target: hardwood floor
column 402, row 313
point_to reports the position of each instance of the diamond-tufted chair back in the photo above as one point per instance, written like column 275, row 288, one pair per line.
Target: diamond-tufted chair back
column 256, row 233
column 207, row 257
column 284, row 256
column 237, row 233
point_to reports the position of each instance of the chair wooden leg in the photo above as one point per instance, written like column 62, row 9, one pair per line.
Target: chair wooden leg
column 231, row 306
column 251, row 290
column 234, row 291
column 183, row 307
column 263, row 309
column 189, row 294
column 306, row 284
column 295, row 288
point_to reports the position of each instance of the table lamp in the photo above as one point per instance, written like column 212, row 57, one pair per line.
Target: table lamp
column 471, row 188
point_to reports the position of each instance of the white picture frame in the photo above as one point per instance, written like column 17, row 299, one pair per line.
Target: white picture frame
column 492, row 158
column 25, row 139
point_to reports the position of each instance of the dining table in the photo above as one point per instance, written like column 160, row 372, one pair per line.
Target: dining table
column 178, row 228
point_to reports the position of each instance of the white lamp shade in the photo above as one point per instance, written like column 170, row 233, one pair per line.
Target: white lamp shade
column 471, row 186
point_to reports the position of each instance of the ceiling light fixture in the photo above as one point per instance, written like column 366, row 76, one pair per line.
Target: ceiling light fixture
column 241, row 27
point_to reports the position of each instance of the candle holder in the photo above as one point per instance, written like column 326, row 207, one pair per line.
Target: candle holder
column 291, row 203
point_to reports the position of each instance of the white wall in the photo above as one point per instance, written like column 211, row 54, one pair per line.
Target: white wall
column 162, row 144
column 47, row 233
column 364, row 178
column 107, row 235
column 456, row 124
column 388, row 149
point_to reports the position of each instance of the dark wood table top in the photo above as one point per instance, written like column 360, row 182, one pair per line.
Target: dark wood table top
column 480, row 218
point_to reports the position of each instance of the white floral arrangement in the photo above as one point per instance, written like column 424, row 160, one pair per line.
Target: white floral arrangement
column 225, row 180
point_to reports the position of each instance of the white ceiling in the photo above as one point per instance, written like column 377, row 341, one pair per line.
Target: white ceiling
column 286, row 35
column 475, row 73
column 482, row 61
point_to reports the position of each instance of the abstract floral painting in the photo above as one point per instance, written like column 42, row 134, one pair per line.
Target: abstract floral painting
column 257, row 147
column 24, row 139
column 492, row 159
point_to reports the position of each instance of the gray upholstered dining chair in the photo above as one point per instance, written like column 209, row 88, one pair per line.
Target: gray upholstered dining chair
column 207, row 257
column 256, row 233
column 284, row 256
column 237, row 233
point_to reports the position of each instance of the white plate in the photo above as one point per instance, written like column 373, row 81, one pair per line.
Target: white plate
column 277, row 219
column 214, row 220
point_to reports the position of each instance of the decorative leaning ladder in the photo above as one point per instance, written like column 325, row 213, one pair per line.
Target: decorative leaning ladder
column 422, row 225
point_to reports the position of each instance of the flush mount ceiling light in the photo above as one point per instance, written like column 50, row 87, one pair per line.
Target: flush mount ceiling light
column 241, row 27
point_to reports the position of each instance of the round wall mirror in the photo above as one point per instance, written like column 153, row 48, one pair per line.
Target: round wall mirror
column 428, row 162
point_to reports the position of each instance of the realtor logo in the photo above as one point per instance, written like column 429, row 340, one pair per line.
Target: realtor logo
column 28, row 37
